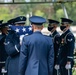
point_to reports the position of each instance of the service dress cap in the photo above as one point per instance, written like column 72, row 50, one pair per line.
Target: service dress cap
column 66, row 20
column 1, row 21
column 11, row 21
column 38, row 20
column 20, row 20
column 3, row 25
column 51, row 21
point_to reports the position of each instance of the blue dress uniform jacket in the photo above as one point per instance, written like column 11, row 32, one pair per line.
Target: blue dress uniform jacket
column 12, row 48
column 37, row 55
column 66, row 52
column 3, row 54
column 56, row 42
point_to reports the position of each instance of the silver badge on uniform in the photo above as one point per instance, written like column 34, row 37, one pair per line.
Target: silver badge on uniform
column 70, row 40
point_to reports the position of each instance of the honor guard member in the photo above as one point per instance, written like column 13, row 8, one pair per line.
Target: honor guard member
column 12, row 47
column 11, row 21
column 37, row 53
column 67, row 42
column 20, row 21
column 52, row 27
column 3, row 54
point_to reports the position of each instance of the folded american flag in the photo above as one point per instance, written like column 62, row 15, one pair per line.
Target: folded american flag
column 22, row 30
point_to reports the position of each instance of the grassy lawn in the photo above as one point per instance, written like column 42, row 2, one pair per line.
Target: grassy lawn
column 74, row 70
column 74, row 73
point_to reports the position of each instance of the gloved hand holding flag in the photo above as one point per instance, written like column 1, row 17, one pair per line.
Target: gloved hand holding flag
column 22, row 31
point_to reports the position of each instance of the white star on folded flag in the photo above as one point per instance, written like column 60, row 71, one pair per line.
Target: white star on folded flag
column 30, row 29
column 26, row 34
column 24, row 29
column 17, row 30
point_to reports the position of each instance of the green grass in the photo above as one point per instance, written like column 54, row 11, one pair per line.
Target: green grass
column 74, row 70
column 74, row 73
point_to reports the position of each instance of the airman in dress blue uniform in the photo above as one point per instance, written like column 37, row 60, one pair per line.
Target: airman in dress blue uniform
column 65, row 55
column 3, row 54
column 12, row 47
column 52, row 26
column 37, row 53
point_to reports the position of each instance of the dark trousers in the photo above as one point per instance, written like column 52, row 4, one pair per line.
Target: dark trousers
column 64, row 71
column 56, row 72
column 1, row 65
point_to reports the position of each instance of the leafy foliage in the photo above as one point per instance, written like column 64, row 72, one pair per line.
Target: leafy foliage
column 47, row 10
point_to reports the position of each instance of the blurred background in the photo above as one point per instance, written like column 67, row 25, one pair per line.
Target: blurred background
column 54, row 9
column 50, row 9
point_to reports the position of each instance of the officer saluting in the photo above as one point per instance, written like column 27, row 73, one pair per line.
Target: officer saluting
column 37, row 54
column 56, row 38
column 3, row 54
column 66, row 48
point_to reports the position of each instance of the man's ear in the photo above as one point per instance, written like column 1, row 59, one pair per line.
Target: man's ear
column 42, row 27
column 32, row 26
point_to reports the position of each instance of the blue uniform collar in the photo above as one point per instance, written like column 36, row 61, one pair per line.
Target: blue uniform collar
column 54, row 33
column 66, row 31
column 37, row 32
column 64, row 34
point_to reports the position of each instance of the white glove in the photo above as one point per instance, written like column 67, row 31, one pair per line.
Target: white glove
column 57, row 67
column 3, row 70
column 21, row 37
column 68, row 66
